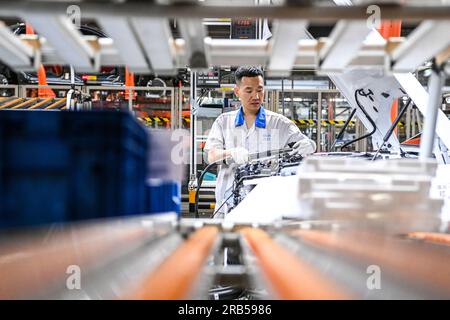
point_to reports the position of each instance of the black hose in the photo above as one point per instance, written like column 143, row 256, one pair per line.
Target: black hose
column 342, row 131
column 225, row 201
column 368, row 118
column 393, row 126
column 199, row 183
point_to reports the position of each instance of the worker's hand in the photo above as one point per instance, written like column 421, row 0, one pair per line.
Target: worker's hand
column 239, row 155
column 303, row 147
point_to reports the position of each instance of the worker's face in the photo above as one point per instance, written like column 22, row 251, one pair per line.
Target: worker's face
column 251, row 92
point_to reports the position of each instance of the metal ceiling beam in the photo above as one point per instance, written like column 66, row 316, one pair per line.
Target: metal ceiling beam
column 14, row 52
column 67, row 41
column 193, row 32
column 428, row 40
column 126, row 42
column 237, row 51
column 96, row 8
column 284, row 46
column 343, row 45
column 155, row 36
column 229, row 52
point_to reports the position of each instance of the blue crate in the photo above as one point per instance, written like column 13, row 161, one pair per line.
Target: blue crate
column 64, row 166
column 163, row 196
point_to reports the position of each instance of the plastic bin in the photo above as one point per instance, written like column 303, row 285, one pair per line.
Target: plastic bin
column 66, row 166
column 163, row 196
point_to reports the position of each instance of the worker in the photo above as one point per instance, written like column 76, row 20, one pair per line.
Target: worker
column 248, row 130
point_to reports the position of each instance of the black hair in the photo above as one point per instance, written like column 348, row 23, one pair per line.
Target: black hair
column 247, row 71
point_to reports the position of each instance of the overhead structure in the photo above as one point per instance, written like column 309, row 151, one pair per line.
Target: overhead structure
column 156, row 39
column 343, row 45
column 284, row 45
column 428, row 40
column 67, row 41
column 128, row 47
column 194, row 33
column 143, row 40
column 16, row 53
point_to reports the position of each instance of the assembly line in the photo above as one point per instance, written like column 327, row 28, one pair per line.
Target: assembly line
column 259, row 150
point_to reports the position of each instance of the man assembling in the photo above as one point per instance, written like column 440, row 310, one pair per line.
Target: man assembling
column 250, row 129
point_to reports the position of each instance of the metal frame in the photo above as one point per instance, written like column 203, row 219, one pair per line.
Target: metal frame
column 309, row 11
column 156, row 41
column 71, row 46
column 319, row 122
column 345, row 41
column 16, row 53
column 428, row 40
column 130, row 50
column 22, row 89
column 130, row 90
column 284, row 46
column 435, row 84
column 144, row 33
column 11, row 86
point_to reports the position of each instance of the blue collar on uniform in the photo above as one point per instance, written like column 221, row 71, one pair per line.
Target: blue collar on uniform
column 260, row 120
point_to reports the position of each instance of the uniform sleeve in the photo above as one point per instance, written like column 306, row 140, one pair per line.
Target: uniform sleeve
column 294, row 134
column 215, row 138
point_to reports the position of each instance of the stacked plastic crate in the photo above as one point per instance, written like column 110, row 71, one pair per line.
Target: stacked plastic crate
column 65, row 166
column 166, row 156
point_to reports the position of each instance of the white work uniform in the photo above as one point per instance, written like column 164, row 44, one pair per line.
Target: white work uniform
column 271, row 131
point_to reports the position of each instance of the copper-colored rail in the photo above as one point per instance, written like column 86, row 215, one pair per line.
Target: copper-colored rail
column 174, row 278
column 438, row 238
column 37, row 105
column 30, row 101
column 290, row 277
column 30, row 264
column 424, row 264
column 56, row 104
column 10, row 103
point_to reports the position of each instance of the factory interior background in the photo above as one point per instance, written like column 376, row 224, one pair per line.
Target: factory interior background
column 106, row 188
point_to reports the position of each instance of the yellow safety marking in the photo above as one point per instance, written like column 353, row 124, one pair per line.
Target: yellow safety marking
column 191, row 196
column 226, row 89
column 20, row 105
column 56, row 104
column 212, row 205
column 13, row 102
column 37, row 105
